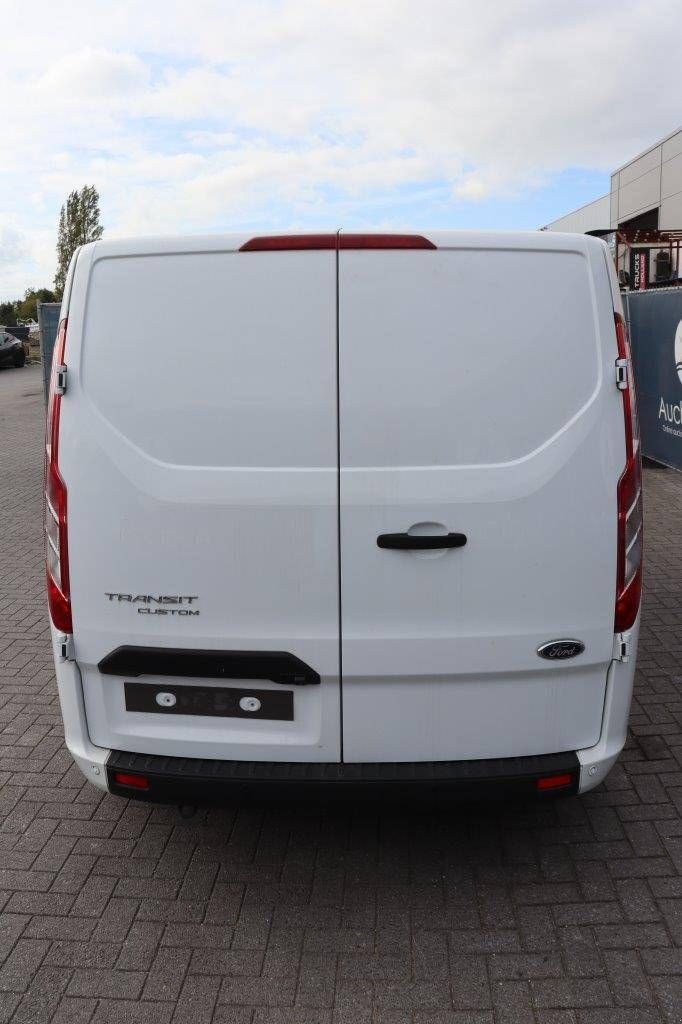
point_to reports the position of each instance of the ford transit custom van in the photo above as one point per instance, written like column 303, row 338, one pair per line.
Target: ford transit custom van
column 341, row 510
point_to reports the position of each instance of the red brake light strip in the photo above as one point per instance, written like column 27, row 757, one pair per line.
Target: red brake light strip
column 282, row 243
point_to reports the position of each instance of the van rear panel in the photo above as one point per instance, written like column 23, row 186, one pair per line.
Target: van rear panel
column 200, row 449
column 241, row 428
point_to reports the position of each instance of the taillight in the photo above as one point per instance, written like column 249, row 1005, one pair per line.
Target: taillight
column 56, row 553
column 630, row 519
column 549, row 782
column 132, row 780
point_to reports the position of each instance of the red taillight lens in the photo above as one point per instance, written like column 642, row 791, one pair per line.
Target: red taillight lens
column 130, row 780
column 630, row 510
column 554, row 782
column 56, row 551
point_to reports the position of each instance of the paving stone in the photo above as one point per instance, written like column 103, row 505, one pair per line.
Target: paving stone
column 106, row 983
column 469, row 982
column 166, row 974
column 74, row 1010
column 126, row 1011
column 626, row 975
column 82, row 954
column 571, row 992
column 114, row 923
column 38, row 1004
column 513, row 1002
column 8, row 1004
column 20, row 967
column 621, row 1015
column 11, row 927
column 197, row 936
column 223, row 1014
column 197, row 1000
column 631, row 936
column 669, row 993
column 49, row 927
column 316, row 980
column 258, row 991
column 662, row 961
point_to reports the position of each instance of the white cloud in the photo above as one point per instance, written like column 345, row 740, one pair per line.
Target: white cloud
column 218, row 113
column 12, row 247
column 93, row 74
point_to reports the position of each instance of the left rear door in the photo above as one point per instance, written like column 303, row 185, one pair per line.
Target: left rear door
column 199, row 450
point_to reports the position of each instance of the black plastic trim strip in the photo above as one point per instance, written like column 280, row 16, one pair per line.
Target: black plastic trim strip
column 277, row 666
column 195, row 780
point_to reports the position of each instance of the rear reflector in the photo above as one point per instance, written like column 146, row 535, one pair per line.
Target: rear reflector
column 130, row 780
column 630, row 510
column 288, row 243
column 554, row 782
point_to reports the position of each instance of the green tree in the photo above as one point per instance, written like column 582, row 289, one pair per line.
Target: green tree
column 27, row 308
column 14, row 310
column 78, row 224
column 7, row 314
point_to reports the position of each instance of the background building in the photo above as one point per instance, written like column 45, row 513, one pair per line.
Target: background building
column 646, row 194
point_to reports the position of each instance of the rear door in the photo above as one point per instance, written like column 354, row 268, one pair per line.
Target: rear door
column 199, row 450
column 474, row 402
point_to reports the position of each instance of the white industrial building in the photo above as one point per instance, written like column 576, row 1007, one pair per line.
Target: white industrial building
column 646, row 195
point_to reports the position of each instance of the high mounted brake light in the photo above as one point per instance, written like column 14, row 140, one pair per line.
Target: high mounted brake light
column 630, row 521
column 286, row 243
column 384, row 242
column 56, row 552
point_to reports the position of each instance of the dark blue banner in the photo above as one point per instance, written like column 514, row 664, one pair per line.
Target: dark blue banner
column 655, row 319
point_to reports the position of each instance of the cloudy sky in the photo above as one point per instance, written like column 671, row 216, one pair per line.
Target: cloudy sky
column 213, row 115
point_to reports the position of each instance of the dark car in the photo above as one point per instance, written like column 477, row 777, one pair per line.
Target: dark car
column 11, row 350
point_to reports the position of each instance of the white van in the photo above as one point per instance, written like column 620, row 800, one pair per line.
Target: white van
column 343, row 509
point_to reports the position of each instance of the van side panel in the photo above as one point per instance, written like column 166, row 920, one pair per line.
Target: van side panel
column 199, row 449
column 477, row 397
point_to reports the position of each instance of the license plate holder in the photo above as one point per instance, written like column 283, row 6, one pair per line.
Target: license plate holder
column 209, row 701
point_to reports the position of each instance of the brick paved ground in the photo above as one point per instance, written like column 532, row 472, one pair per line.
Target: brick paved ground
column 569, row 913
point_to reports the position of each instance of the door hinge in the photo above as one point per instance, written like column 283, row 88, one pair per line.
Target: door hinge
column 60, row 379
column 66, row 649
column 622, row 646
column 622, row 374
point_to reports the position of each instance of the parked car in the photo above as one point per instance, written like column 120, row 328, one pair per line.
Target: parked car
column 12, row 352
column 387, row 530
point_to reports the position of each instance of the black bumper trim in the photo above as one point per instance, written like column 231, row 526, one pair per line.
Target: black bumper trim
column 202, row 781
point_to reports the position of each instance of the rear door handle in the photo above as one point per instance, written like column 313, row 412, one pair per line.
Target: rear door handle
column 410, row 542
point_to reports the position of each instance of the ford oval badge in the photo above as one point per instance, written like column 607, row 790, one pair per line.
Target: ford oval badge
column 557, row 650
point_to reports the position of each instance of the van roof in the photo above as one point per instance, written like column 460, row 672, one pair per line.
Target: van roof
column 524, row 240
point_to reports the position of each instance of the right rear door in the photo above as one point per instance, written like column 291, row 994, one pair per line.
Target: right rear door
column 473, row 400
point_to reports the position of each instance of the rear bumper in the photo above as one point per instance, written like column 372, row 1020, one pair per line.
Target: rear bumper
column 192, row 781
